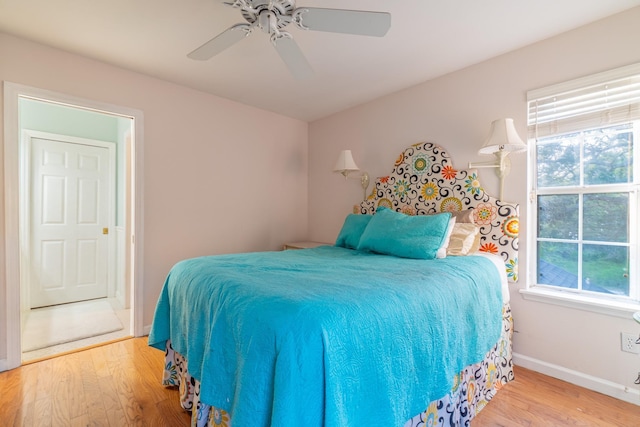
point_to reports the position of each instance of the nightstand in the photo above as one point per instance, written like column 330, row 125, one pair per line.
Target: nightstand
column 303, row 245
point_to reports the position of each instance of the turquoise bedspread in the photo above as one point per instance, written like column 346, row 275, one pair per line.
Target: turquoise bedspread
column 328, row 336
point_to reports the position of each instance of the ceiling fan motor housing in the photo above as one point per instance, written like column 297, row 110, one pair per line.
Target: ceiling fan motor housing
column 269, row 14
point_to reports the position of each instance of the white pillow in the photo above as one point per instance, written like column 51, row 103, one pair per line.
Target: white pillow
column 465, row 239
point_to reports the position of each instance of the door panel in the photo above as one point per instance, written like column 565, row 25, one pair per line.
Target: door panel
column 69, row 209
column 52, row 271
column 53, row 200
column 88, row 201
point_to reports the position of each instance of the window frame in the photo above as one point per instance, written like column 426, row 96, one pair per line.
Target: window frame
column 577, row 298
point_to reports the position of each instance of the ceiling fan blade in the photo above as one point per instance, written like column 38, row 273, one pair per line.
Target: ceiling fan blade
column 357, row 22
column 292, row 56
column 221, row 42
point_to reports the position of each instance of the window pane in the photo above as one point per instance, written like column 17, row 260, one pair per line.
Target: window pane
column 558, row 264
column 606, row 217
column 558, row 216
column 608, row 154
column 606, row 269
column 558, row 161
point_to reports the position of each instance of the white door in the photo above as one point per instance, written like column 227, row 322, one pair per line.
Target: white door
column 70, row 195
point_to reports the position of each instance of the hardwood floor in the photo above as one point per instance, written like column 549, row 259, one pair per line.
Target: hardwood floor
column 119, row 385
column 534, row 399
column 114, row 385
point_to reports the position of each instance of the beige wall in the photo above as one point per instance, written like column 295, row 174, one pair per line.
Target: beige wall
column 455, row 111
column 219, row 176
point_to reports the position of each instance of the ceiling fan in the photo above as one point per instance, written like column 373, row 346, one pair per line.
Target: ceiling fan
column 271, row 16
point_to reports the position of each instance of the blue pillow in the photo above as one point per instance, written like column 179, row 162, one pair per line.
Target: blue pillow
column 351, row 231
column 405, row 236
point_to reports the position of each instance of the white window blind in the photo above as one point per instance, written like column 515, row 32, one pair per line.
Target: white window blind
column 603, row 99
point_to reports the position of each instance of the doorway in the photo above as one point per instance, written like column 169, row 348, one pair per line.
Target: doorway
column 90, row 267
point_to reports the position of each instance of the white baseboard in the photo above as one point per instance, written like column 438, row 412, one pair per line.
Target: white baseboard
column 3, row 365
column 619, row 391
column 146, row 330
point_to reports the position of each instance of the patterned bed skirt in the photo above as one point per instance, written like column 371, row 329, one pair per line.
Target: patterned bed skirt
column 473, row 387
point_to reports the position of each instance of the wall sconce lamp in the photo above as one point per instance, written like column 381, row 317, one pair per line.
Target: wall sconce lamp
column 345, row 165
column 503, row 139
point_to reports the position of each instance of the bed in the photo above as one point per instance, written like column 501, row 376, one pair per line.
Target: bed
column 405, row 321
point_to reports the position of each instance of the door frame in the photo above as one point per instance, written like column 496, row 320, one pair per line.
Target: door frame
column 135, row 208
column 26, row 208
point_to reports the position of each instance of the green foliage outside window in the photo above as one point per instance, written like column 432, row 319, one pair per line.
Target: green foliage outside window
column 583, row 212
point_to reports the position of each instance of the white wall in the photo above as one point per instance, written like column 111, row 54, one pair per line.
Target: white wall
column 219, row 176
column 455, row 111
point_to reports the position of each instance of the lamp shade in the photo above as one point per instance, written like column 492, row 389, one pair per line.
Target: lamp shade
column 345, row 163
column 502, row 137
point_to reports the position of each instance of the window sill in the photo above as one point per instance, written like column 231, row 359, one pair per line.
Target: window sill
column 623, row 309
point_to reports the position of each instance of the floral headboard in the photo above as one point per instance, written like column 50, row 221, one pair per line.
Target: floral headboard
column 424, row 181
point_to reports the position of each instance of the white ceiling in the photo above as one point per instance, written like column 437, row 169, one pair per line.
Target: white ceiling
column 428, row 38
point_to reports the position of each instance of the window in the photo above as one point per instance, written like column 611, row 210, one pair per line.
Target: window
column 585, row 176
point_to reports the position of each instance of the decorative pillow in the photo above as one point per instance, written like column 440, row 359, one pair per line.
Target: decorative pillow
column 465, row 216
column 394, row 233
column 476, row 243
column 351, row 231
column 442, row 251
column 465, row 239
